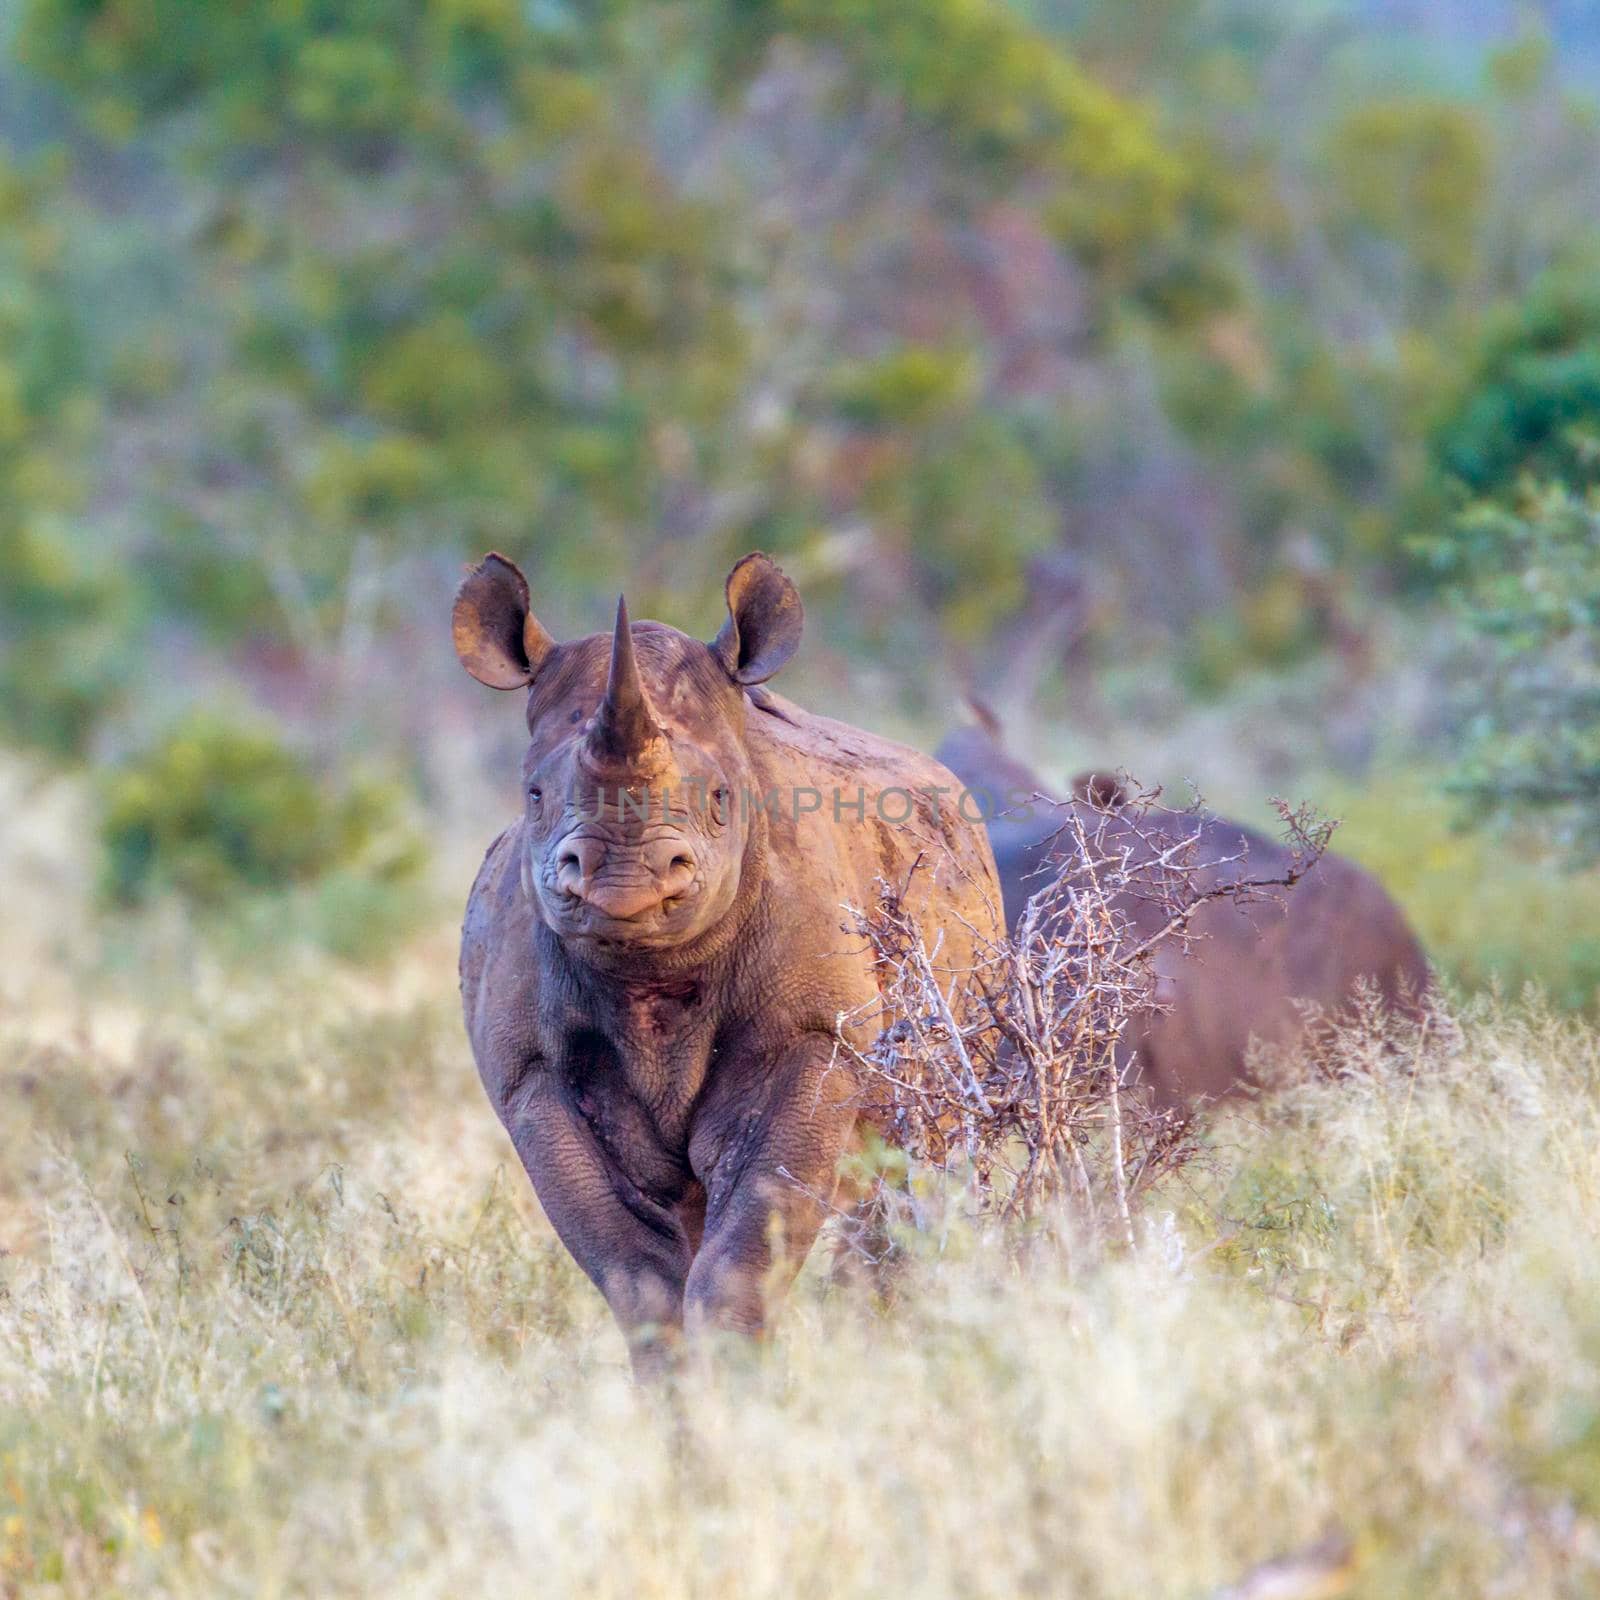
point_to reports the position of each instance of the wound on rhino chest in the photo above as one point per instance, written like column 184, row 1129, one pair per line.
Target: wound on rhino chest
column 660, row 1010
column 640, row 1060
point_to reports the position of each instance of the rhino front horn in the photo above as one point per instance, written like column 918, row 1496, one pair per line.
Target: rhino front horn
column 625, row 732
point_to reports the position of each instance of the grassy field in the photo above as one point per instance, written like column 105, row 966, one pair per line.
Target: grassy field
column 1213, row 388
column 279, row 1317
column 278, row 1314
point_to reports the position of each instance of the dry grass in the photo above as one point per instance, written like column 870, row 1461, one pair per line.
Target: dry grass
column 278, row 1317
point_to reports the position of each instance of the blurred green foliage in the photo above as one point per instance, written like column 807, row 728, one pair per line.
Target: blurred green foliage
column 1490, row 908
column 1528, row 582
column 63, row 609
column 1412, row 174
column 421, row 228
column 556, row 278
column 444, row 288
column 216, row 811
column 1530, row 408
column 1213, row 308
column 1007, row 101
column 1273, row 627
column 61, row 612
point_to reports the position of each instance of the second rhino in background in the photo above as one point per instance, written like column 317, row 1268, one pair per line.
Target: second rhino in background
column 1256, row 967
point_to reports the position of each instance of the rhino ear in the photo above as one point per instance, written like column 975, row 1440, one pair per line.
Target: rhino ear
column 1102, row 790
column 764, row 621
column 499, row 640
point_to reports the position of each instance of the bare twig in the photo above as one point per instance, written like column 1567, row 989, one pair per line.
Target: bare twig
column 1021, row 1084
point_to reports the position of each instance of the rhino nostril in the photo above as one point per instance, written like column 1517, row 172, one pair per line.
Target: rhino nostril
column 576, row 861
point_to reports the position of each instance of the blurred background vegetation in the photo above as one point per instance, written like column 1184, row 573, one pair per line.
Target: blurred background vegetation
column 1213, row 385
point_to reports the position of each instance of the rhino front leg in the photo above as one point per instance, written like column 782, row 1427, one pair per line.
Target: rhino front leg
column 766, row 1149
column 636, row 1250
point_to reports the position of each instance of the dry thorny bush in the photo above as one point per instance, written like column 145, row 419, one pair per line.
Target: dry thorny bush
column 1015, row 1085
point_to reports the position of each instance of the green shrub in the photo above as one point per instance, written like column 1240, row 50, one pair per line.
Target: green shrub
column 1413, row 172
column 1531, row 406
column 1274, row 626
column 913, row 385
column 1527, row 583
column 1488, row 907
column 215, row 811
column 63, row 637
column 64, row 605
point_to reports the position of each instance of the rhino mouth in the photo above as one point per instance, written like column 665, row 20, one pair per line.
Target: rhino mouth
column 593, row 918
column 661, row 926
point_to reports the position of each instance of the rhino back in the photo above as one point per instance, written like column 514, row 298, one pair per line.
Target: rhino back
column 1259, row 963
column 1253, row 961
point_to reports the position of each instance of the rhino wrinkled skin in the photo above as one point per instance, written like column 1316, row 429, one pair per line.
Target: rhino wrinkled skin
column 655, row 955
column 1256, row 966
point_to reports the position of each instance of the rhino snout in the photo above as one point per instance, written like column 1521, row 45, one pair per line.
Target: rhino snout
column 624, row 881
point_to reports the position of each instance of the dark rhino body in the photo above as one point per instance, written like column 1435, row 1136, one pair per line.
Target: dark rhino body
column 1256, row 965
column 652, row 1000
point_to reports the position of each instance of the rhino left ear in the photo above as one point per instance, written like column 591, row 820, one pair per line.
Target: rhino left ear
column 765, row 618
column 498, row 638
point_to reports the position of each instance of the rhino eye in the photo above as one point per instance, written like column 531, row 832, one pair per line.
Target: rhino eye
column 535, row 793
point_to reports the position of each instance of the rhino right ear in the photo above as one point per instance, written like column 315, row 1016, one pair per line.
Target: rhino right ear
column 764, row 621
column 499, row 640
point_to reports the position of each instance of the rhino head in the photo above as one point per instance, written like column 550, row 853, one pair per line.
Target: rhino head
column 635, row 827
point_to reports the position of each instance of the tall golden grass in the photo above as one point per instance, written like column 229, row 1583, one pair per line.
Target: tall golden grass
column 279, row 1317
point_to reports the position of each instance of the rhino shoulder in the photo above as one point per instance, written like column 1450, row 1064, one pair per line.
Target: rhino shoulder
column 495, row 909
column 856, row 808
